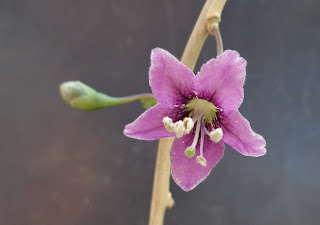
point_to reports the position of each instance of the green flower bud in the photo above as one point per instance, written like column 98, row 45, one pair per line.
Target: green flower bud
column 80, row 96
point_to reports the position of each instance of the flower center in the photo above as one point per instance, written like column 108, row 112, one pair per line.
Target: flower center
column 202, row 109
column 201, row 114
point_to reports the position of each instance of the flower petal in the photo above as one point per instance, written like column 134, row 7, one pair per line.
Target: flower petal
column 186, row 172
column 238, row 134
column 149, row 126
column 169, row 79
column 221, row 80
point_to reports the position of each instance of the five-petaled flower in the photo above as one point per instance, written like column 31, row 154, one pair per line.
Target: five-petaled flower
column 201, row 111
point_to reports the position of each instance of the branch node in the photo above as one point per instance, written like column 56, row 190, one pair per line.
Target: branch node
column 170, row 202
column 214, row 15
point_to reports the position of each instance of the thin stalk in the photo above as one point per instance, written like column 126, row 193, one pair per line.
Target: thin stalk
column 217, row 35
column 161, row 196
column 109, row 101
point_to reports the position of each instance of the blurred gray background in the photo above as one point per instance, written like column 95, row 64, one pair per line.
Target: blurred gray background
column 63, row 166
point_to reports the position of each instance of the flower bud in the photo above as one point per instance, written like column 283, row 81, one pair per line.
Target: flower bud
column 81, row 96
column 71, row 90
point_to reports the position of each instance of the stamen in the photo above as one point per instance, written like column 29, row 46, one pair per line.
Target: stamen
column 201, row 143
column 168, row 124
column 200, row 159
column 188, row 124
column 216, row 135
column 179, row 129
column 205, row 129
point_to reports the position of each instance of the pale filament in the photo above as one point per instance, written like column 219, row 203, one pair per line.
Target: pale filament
column 200, row 159
column 196, row 135
column 215, row 135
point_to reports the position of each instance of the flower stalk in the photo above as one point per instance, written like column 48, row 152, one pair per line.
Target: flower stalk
column 217, row 35
column 160, row 201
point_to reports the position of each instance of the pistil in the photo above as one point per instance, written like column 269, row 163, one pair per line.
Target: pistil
column 191, row 150
column 196, row 135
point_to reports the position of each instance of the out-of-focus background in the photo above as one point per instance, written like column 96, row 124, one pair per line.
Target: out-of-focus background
column 63, row 166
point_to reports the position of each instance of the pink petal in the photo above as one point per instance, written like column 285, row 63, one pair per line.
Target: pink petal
column 169, row 79
column 238, row 134
column 222, row 80
column 186, row 172
column 149, row 126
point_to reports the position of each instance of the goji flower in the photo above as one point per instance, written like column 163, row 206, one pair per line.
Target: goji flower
column 201, row 111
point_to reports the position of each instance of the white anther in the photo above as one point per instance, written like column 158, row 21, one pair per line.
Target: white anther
column 168, row 124
column 216, row 135
column 202, row 161
column 179, row 129
column 188, row 124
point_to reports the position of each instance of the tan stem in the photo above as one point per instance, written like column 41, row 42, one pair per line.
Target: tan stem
column 161, row 183
column 197, row 38
column 161, row 197
column 214, row 15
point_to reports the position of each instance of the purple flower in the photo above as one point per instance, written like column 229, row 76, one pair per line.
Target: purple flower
column 201, row 111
